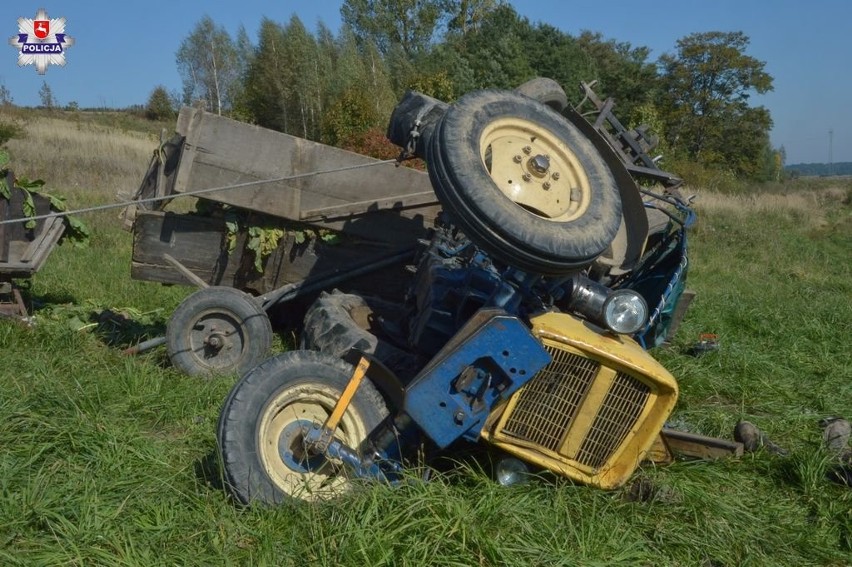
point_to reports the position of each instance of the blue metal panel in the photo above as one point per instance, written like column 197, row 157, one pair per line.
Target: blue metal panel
column 487, row 361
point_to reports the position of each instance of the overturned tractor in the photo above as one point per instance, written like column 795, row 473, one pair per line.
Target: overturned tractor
column 512, row 307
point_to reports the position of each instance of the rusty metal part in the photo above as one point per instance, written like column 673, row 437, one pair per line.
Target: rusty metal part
column 632, row 146
column 700, row 446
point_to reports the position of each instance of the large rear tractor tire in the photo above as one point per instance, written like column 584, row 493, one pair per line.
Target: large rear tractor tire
column 261, row 424
column 523, row 183
column 338, row 322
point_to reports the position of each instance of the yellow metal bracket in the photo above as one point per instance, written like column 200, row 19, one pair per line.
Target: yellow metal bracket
column 333, row 420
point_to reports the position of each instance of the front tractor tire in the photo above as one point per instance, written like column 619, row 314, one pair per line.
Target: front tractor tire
column 261, row 423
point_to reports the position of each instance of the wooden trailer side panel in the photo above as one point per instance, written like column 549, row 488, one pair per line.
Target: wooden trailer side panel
column 220, row 152
column 24, row 250
column 198, row 243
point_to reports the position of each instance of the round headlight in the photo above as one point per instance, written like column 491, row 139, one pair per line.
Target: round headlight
column 625, row 312
column 510, row 470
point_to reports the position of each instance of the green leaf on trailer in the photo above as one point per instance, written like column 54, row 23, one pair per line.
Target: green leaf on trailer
column 57, row 203
column 76, row 232
column 25, row 183
column 4, row 188
column 29, row 208
column 262, row 241
column 329, row 237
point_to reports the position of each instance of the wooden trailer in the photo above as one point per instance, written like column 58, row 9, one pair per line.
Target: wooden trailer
column 347, row 220
column 24, row 245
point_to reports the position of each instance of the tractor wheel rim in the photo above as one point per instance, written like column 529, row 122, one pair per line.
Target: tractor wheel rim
column 281, row 426
column 535, row 169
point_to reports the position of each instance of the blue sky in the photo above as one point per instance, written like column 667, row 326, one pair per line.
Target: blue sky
column 124, row 49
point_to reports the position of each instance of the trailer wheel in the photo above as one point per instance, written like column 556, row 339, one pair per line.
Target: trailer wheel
column 261, row 425
column 523, row 183
column 216, row 331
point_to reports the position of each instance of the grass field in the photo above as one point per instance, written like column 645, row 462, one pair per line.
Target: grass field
column 110, row 460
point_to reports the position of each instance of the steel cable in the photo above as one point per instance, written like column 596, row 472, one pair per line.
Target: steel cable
column 192, row 193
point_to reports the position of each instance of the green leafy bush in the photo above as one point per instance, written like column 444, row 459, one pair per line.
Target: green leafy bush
column 8, row 131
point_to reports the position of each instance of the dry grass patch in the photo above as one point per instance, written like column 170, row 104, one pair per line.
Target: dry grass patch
column 811, row 207
column 86, row 161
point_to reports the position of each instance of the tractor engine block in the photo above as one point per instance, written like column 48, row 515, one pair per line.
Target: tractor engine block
column 454, row 280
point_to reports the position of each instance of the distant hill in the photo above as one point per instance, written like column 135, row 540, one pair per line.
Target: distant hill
column 820, row 169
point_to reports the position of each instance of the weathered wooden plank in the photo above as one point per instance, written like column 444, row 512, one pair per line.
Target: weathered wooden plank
column 198, row 243
column 26, row 249
column 219, row 151
column 188, row 120
column 700, row 446
column 186, row 272
column 389, row 203
column 37, row 250
column 279, row 198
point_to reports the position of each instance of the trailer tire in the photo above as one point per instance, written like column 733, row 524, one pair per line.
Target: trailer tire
column 217, row 331
column 523, row 183
column 262, row 419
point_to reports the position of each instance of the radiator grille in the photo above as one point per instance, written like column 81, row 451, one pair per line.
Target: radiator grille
column 549, row 403
column 551, row 399
column 618, row 413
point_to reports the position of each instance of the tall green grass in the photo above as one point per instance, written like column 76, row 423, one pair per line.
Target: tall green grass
column 110, row 460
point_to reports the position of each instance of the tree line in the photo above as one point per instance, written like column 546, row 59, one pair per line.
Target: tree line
column 339, row 89
column 843, row 168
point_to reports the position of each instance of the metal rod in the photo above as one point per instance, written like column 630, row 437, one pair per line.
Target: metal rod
column 330, row 425
column 294, row 290
column 143, row 346
column 192, row 193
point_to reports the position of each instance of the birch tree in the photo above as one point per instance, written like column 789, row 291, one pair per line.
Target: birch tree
column 208, row 63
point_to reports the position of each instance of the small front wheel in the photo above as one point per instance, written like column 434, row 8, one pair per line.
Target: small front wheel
column 260, row 431
column 216, row 331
